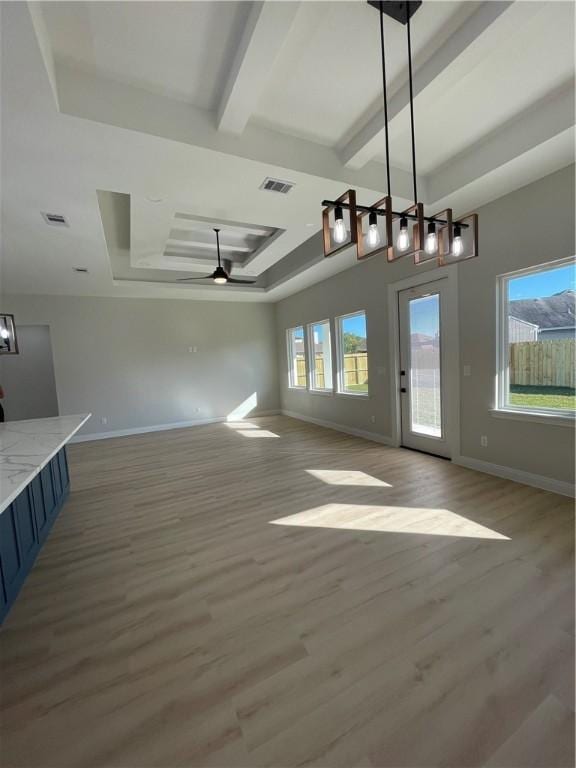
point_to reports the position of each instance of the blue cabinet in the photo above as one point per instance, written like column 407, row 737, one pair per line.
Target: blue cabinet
column 9, row 554
column 25, row 524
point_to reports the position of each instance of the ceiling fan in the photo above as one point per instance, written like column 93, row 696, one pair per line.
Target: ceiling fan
column 220, row 275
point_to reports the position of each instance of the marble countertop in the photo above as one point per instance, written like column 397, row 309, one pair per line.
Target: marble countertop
column 27, row 446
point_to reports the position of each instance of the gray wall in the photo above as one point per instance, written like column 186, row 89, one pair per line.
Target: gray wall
column 28, row 378
column 531, row 226
column 127, row 360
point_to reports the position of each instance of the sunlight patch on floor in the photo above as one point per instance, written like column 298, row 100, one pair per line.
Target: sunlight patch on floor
column 240, row 425
column 256, row 433
column 389, row 519
column 347, row 477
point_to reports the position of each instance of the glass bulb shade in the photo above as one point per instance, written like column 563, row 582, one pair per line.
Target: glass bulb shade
column 373, row 237
column 431, row 244
column 220, row 280
column 403, row 242
column 339, row 232
column 458, row 246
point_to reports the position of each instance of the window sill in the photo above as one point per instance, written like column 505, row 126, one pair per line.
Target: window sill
column 354, row 395
column 297, row 389
column 560, row 420
column 321, row 391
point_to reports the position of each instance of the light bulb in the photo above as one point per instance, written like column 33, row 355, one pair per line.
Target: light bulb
column 458, row 243
column 339, row 232
column 4, row 333
column 403, row 242
column 373, row 237
column 220, row 280
column 431, row 244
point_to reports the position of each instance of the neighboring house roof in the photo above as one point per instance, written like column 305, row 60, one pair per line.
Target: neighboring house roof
column 557, row 311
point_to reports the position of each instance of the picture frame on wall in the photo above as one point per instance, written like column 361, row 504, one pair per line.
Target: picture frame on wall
column 8, row 338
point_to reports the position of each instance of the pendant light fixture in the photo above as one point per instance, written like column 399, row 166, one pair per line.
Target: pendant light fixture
column 378, row 228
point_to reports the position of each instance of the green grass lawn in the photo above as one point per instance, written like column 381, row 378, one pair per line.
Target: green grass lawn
column 543, row 397
column 357, row 387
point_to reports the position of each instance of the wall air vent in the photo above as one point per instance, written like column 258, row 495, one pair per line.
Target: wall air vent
column 276, row 185
column 55, row 219
column 82, row 270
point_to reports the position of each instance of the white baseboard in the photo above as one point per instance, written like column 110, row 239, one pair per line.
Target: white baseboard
column 518, row 475
column 162, row 427
column 373, row 436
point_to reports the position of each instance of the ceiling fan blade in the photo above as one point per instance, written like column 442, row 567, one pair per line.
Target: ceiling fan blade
column 234, row 281
column 205, row 277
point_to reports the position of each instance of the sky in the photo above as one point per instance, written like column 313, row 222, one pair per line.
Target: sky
column 543, row 284
column 424, row 315
column 356, row 325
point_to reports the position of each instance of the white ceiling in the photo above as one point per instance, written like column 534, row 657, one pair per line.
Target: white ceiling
column 159, row 46
column 320, row 87
column 187, row 106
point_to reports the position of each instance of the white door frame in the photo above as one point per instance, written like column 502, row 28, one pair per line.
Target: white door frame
column 452, row 351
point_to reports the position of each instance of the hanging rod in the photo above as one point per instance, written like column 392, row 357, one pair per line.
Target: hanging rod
column 382, row 212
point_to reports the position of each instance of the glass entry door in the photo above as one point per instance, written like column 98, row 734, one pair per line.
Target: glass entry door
column 422, row 374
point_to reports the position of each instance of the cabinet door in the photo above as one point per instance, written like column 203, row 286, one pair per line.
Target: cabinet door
column 56, row 477
column 26, row 527
column 63, row 464
column 40, row 510
column 10, row 559
column 47, row 482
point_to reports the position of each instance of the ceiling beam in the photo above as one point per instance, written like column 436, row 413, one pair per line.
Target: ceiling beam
column 467, row 41
column 41, row 32
column 264, row 34
column 550, row 118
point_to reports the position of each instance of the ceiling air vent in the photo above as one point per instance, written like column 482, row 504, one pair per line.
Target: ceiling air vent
column 276, row 185
column 55, row 219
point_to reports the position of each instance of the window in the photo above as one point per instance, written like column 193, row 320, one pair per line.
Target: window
column 352, row 354
column 320, row 356
column 537, row 340
column 296, row 357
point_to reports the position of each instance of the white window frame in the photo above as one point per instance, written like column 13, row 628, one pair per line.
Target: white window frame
column 312, row 358
column 340, row 354
column 504, row 409
column 292, row 379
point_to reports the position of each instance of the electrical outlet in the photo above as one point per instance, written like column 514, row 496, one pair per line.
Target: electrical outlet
column 373, row 419
column 192, row 349
column 104, row 420
column 484, row 441
column 467, row 370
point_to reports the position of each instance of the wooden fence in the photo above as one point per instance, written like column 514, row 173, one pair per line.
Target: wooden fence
column 532, row 363
column 543, row 363
column 355, row 369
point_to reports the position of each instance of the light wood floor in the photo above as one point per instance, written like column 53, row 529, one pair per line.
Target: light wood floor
column 406, row 613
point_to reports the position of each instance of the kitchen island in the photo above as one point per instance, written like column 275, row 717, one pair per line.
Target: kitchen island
column 34, row 484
